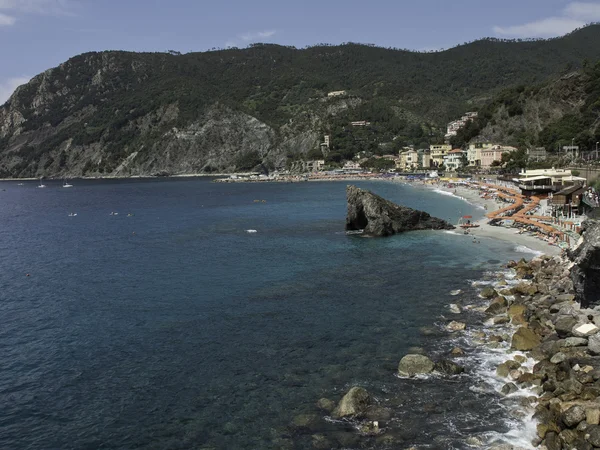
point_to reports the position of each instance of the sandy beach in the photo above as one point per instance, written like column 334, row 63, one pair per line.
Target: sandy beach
column 485, row 230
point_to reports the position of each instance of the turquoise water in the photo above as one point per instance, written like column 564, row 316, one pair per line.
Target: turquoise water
column 176, row 328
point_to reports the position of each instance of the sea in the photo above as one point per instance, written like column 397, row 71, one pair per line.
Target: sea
column 189, row 314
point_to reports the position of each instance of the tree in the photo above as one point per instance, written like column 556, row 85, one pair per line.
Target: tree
column 514, row 161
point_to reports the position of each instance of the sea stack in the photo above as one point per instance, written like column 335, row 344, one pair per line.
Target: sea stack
column 379, row 217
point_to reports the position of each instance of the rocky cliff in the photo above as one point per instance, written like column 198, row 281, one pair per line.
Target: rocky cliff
column 376, row 216
column 585, row 271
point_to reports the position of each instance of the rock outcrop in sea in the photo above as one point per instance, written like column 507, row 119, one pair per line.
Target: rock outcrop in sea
column 379, row 217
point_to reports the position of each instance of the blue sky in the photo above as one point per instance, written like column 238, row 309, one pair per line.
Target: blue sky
column 39, row 34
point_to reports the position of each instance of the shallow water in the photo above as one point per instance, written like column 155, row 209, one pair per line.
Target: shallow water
column 176, row 328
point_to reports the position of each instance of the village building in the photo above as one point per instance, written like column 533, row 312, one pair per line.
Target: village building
column 454, row 159
column 537, row 154
column 314, row 165
column 474, row 152
column 426, row 159
column 454, row 126
column 409, row 159
column 437, row 153
column 546, row 180
column 489, row 155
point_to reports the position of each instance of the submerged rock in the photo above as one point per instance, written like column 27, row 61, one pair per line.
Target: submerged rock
column 354, row 403
column 449, row 367
column 379, row 217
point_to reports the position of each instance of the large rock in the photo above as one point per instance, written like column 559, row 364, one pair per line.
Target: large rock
column 379, row 217
column 572, row 416
column 354, row 403
column 524, row 339
column 412, row 365
column 448, row 367
column 585, row 273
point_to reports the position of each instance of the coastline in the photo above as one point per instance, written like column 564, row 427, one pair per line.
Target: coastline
column 485, row 230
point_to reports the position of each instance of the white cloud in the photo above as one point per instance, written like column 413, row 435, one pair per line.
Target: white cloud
column 8, row 87
column 588, row 12
column 553, row 26
column 6, row 21
column 44, row 7
column 259, row 35
column 574, row 15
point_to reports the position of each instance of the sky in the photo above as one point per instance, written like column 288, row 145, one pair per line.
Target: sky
column 36, row 35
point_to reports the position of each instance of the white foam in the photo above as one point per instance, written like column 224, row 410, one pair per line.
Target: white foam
column 251, row 231
column 523, row 249
column 451, row 194
column 452, row 232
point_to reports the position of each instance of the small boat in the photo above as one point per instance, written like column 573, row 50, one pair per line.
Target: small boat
column 21, row 184
column 72, row 214
column 468, row 224
column 66, row 184
column 41, row 184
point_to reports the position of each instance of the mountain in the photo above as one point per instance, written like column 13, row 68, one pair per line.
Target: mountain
column 560, row 111
column 121, row 113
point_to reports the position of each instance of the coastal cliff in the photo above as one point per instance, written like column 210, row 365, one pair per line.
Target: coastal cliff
column 376, row 216
column 585, row 272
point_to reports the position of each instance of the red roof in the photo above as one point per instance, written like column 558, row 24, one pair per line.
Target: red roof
column 456, row 150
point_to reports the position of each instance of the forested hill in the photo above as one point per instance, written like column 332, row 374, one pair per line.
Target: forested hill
column 122, row 113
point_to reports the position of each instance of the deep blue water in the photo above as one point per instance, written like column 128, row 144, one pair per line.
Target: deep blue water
column 175, row 328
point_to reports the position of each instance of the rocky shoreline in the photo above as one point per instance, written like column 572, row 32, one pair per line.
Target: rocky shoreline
column 550, row 370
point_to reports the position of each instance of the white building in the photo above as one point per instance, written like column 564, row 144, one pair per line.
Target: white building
column 454, row 160
column 454, row 126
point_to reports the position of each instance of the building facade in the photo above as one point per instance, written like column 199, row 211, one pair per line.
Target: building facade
column 437, row 153
column 474, row 153
column 454, row 160
column 490, row 155
column 409, row 159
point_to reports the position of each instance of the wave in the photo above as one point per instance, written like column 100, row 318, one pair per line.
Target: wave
column 524, row 249
column 451, row 194
column 453, row 232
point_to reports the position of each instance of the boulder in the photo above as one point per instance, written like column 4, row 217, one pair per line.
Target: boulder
column 564, row 324
column 575, row 342
column 488, row 292
column 456, row 326
column 585, row 330
column 497, row 306
column 525, row 289
column 353, row 404
column 572, row 416
column 379, row 217
column 594, row 344
column 585, row 273
column 592, row 435
column 448, row 367
column 592, row 416
column 524, row 339
column 457, row 351
column 509, row 388
column 412, row 365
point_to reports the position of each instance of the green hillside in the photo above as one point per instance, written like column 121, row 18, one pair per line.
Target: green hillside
column 121, row 113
